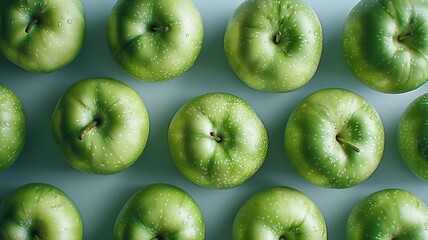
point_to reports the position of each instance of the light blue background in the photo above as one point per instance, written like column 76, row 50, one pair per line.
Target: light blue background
column 100, row 198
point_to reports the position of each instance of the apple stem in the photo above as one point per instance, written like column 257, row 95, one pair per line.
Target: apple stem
column 347, row 143
column 87, row 129
column 31, row 24
column 278, row 37
column 402, row 37
column 215, row 136
column 164, row 28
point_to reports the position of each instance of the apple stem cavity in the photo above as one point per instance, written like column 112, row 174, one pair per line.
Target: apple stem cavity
column 87, row 129
column 35, row 234
column 215, row 136
column 347, row 143
column 277, row 38
column 33, row 22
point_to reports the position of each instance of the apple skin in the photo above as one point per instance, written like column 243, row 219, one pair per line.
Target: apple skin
column 216, row 140
column 101, row 125
column 390, row 213
column 279, row 213
column 155, row 40
column 274, row 46
column 39, row 211
column 160, row 211
column 334, row 138
column 385, row 44
column 12, row 127
column 412, row 136
column 51, row 43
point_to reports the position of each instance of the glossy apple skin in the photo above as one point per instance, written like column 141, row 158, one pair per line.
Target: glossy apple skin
column 12, row 127
column 51, row 43
column 149, row 54
column 274, row 45
column 121, row 126
column 385, row 44
column 160, row 211
column 279, row 213
column 210, row 162
column 412, row 136
column 39, row 211
column 312, row 136
column 388, row 214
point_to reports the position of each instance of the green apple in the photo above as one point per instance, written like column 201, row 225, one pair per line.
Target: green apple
column 279, row 213
column 274, row 45
column 39, row 211
column 394, row 214
column 385, row 44
column 412, row 136
column 155, row 40
column 12, row 127
column 334, row 138
column 216, row 140
column 160, row 211
column 101, row 125
column 41, row 35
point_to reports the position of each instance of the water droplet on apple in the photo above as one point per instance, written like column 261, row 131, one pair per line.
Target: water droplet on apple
column 59, row 24
column 6, row 123
column 187, row 34
column 69, row 21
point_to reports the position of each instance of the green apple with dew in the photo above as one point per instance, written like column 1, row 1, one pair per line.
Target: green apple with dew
column 412, row 136
column 101, row 125
column 394, row 214
column 216, row 140
column 12, row 127
column 160, row 211
column 274, row 45
column 334, row 138
column 155, row 40
column 39, row 211
column 41, row 35
column 279, row 213
column 385, row 44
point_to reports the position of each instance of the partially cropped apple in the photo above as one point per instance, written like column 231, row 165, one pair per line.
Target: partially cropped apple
column 385, row 44
column 394, row 214
column 155, row 40
column 412, row 136
column 160, row 211
column 41, row 35
column 274, row 45
column 101, row 125
column 216, row 140
column 39, row 211
column 334, row 138
column 279, row 213
column 12, row 127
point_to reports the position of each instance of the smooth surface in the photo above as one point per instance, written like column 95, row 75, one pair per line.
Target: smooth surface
column 100, row 198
